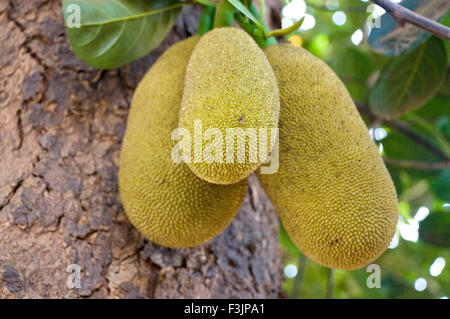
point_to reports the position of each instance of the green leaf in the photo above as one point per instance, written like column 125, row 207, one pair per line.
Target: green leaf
column 224, row 16
column 262, row 40
column 434, row 108
column 206, row 3
column 441, row 185
column 443, row 125
column 410, row 80
column 206, row 20
column 114, row 33
column 286, row 242
column 395, row 175
column 401, row 146
column 354, row 67
column 390, row 39
column 404, row 210
column 435, row 229
column 445, row 87
column 246, row 12
column 262, row 5
column 425, row 128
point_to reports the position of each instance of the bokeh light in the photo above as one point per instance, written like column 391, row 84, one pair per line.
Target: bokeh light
column 380, row 133
column 339, row 18
column 294, row 10
column 420, row 284
column 394, row 242
column 437, row 266
column 408, row 231
column 421, row 214
column 357, row 37
column 309, row 22
column 380, row 148
column 290, row 271
column 378, row 11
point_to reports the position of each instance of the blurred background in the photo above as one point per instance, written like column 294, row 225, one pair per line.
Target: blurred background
column 412, row 134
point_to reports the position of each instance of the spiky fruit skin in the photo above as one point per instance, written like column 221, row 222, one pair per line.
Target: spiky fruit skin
column 165, row 201
column 333, row 192
column 229, row 84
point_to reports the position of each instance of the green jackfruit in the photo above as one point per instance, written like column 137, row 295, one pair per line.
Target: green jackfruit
column 164, row 200
column 333, row 192
column 229, row 85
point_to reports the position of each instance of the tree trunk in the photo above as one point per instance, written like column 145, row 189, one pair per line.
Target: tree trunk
column 61, row 126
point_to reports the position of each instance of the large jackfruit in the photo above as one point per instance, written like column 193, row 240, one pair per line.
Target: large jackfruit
column 229, row 85
column 166, row 201
column 335, row 197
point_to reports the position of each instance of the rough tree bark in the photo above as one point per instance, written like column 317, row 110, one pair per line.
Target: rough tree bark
column 61, row 125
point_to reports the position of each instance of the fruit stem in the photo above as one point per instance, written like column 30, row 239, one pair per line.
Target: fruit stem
column 206, row 22
column 224, row 16
column 262, row 40
column 292, row 28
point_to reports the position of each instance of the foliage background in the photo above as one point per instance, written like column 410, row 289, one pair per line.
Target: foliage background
column 421, row 135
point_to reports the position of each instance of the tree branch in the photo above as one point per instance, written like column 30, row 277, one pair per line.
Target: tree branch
column 404, row 128
column 418, row 165
column 403, row 15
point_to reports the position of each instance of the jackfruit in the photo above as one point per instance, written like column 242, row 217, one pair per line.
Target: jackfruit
column 230, row 88
column 165, row 201
column 333, row 192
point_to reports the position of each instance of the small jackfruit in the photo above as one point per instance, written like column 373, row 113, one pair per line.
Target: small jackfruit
column 231, row 93
column 333, row 192
column 165, row 201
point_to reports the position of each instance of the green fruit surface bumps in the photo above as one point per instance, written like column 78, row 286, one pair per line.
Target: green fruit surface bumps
column 164, row 200
column 229, row 84
column 333, row 192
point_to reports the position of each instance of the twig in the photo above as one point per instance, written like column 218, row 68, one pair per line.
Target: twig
column 364, row 109
column 292, row 28
column 418, row 139
column 330, row 283
column 350, row 8
column 418, row 165
column 303, row 260
column 403, row 15
column 406, row 131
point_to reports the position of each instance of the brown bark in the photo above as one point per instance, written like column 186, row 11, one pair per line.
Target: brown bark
column 61, row 125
